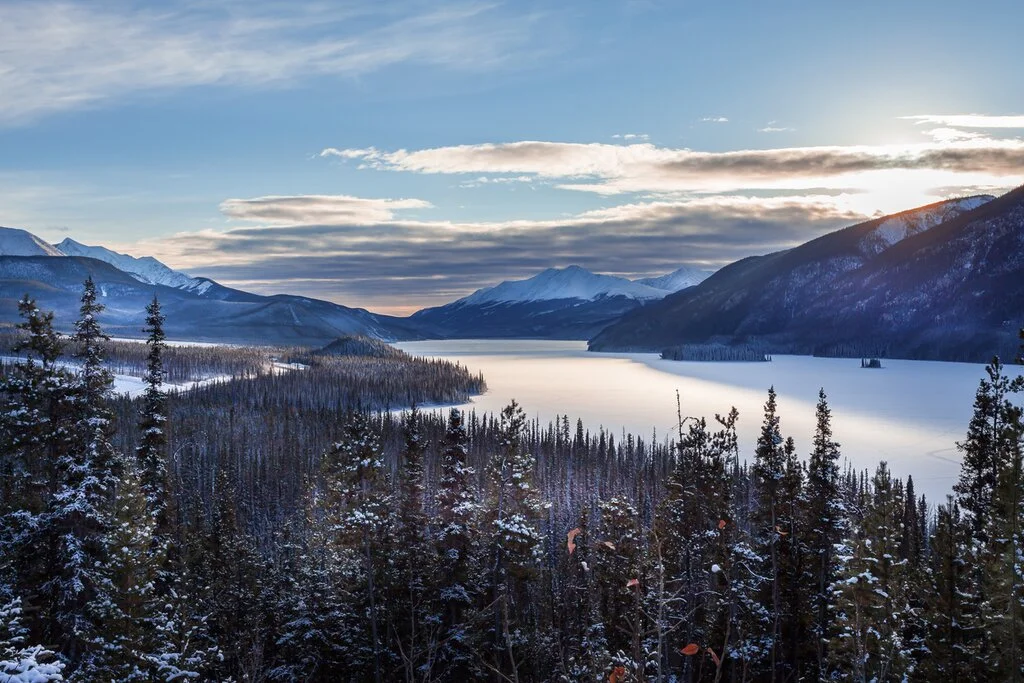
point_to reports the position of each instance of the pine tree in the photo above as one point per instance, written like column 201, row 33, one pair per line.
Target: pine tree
column 769, row 471
column 949, row 573
column 151, row 452
column 416, row 624
column 356, row 485
column 824, row 528
column 457, row 542
column 1003, row 609
column 515, row 544
column 19, row 661
column 81, row 592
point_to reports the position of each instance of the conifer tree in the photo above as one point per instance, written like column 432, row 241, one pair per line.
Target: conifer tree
column 81, row 592
column 950, row 577
column 457, row 541
column 416, row 625
column 356, row 486
column 515, row 542
column 151, row 451
column 824, row 528
column 769, row 470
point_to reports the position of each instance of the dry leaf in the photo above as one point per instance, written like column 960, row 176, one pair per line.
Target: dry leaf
column 618, row 674
column 718, row 662
column 609, row 544
column 631, row 583
column 721, row 524
column 691, row 649
column 780, row 531
column 571, row 543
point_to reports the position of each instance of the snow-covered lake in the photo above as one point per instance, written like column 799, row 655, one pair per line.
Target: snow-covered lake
column 909, row 413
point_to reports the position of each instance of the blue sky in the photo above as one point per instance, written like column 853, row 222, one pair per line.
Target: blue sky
column 400, row 154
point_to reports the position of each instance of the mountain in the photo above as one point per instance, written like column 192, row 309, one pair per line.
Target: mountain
column 686, row 276
column 146, row 269
column 197, row 309
column 558, row 303
column 566, row 283
column 945, row 281
column 15, row 242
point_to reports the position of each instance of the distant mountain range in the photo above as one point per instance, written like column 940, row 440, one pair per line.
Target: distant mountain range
column 944, row 281
column 197, row 308
column 558, row 303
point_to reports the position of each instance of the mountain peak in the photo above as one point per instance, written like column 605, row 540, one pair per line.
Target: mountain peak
column 145, row 269
column 17, row 242
column 571, row 282
column 681, row 278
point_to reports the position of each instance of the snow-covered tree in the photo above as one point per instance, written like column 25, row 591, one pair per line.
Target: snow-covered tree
column 457, row 544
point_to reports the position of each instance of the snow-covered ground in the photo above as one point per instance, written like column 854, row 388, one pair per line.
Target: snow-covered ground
column 133, row 385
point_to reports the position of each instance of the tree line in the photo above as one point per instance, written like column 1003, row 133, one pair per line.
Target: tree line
column 269, row 531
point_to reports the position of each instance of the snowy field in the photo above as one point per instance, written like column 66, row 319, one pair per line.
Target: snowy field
column 909, row 413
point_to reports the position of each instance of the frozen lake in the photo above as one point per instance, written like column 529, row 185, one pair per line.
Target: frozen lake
column 909, row 413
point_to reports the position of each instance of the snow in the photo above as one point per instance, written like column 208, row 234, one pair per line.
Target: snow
column 562, row 283
column 903, row 225
column 146, row 269
column 684, row 277
column 15, row 242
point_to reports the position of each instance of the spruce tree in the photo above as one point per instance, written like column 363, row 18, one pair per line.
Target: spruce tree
column 457, row 544
column 824, row 528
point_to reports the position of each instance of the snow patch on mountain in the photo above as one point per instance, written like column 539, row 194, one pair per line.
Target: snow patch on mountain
column 562, row 283
column 146, row 269
column 684, row 277
column 903, row 225
column 16, row 242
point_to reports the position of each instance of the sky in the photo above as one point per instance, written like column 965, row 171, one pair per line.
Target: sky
column 396, row 155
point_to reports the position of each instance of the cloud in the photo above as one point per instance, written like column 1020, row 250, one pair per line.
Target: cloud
column 323, row 209
column 59, row 55
column 715, row 119
column 418, row 263
column 968, row 120
column 631, row 136
column 611, row 169
column 775, row 129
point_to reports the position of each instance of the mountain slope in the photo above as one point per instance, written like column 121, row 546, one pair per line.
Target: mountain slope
column 146, row 269
column 566, row 303
column 205, row 311
column 682, row 278
column 15, row 242
column 554, row 284
column 894, row 286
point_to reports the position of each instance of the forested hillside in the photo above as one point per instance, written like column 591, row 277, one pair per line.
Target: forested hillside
column 278, row 528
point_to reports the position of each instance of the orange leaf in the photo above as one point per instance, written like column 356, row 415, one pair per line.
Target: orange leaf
column 721, row 524
column 572, row 539
column 780, row 531
column 610, row 544
column 631, row 583
column 718, row 662
column 618, row 673
column 691, row 649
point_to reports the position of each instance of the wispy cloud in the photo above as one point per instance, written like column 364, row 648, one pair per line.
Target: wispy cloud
column 57, row 56
column 322, row 209
column 419, row 263
column 715, row 119
column 614, row 169
column 771, row 127
column 631, row 136
column 968, row 120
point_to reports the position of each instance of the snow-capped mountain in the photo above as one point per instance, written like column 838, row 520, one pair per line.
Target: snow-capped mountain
column 900, row 226
column 145, row 269
column 15, row 242
column 561, row 283
column 558, row 303
column 684, row 277
column 196, row 308
column 943, row 281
